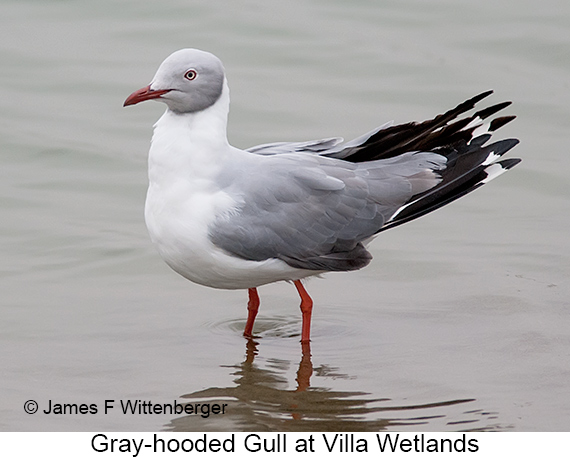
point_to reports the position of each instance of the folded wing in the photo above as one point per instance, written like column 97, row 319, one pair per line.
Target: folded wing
column 314, row 204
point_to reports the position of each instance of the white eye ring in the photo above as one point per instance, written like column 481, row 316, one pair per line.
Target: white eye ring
column 191, row 74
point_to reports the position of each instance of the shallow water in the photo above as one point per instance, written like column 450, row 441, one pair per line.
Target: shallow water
column 461, row 321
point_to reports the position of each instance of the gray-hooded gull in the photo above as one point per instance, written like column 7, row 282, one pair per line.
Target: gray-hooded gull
column 237, row 219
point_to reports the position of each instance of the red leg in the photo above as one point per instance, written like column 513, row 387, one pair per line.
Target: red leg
column 252, row 307
column 306, row 309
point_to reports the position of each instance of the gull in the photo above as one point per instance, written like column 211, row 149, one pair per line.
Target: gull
column 230, row 218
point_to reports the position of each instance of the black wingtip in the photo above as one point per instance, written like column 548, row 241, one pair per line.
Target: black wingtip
column 501, row 147
column 498, row 122
column 490, row 110
column 468, row 104
column 507, row 164
column 446, row 130
column 480, row 97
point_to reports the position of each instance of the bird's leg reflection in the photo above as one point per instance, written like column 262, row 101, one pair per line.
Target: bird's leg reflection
column 305, row 365
column 305, row 368
column 303, row 374
column 250, row 351
column 259, row 398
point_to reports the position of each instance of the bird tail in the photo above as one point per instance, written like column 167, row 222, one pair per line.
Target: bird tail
column 457, row 186
column 470, row 162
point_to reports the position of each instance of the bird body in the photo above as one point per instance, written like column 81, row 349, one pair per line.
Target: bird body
column 190, row 167
column 237, row 219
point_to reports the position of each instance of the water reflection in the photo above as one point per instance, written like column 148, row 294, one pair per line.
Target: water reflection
column 261, row 400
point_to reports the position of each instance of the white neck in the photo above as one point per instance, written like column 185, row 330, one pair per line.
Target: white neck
column 189, row 145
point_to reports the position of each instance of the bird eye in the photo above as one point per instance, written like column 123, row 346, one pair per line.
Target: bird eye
column 191, row 74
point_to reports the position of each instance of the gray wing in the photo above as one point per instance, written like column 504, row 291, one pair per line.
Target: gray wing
column 314, row 212
column 316, row 146
column 331, row 147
